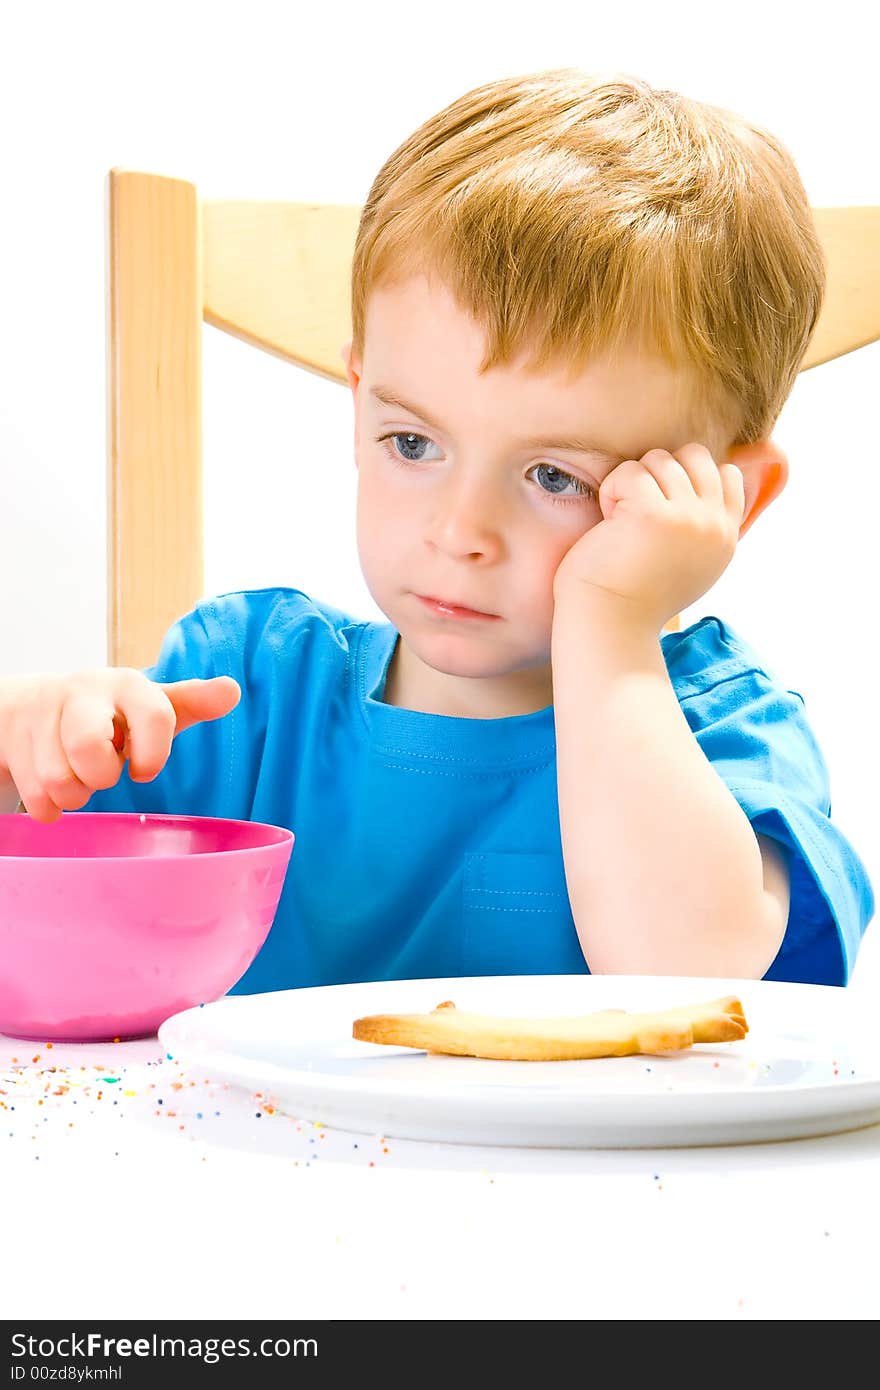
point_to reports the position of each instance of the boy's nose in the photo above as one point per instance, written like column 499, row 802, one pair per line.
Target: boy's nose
column 466, row 520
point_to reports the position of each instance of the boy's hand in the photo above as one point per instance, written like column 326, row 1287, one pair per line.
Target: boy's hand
column 64, row 737
column 669, row 530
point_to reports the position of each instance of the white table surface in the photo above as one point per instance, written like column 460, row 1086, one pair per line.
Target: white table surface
column 135, row 1189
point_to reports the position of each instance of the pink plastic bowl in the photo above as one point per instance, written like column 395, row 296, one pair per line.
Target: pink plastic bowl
column 111, row 923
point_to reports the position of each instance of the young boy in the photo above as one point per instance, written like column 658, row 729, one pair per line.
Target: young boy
column 578, row 306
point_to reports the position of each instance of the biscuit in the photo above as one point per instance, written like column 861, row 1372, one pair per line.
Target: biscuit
column 611, row 1033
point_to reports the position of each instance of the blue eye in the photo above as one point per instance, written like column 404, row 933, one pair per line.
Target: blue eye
column 559, row 484
column 412, row 442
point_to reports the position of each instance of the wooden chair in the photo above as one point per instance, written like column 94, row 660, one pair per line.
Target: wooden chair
column 271, row 274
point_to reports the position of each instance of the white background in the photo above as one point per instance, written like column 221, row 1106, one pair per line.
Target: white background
column 266, row 101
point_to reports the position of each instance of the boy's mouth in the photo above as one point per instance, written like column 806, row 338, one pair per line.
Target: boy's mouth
column 444, row 609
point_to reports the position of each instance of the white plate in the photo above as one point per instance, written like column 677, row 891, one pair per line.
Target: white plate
column 809, row 1064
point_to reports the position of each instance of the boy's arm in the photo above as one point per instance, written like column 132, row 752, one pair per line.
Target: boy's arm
column 665, row 874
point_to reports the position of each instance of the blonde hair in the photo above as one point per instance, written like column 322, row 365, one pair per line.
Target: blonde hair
column 569, row 213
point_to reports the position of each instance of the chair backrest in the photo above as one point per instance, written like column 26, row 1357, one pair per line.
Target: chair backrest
column 270, row 273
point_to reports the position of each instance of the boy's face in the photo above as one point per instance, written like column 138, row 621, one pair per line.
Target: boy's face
column 471, row 492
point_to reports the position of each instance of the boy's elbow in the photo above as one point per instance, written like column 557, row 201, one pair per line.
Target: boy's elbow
column 741, row 941
column 742, row 947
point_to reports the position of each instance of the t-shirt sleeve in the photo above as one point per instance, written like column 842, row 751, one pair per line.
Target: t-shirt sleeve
column 756, row 735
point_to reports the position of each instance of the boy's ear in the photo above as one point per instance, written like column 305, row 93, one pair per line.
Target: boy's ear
column 352, row 371
column 765, row 472
column 352, row 366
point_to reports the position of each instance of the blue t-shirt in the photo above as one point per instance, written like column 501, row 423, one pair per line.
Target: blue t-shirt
column 429, row 846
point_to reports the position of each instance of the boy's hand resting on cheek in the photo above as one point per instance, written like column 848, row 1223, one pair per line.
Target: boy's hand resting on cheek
column 64, row 737
column 669, row 530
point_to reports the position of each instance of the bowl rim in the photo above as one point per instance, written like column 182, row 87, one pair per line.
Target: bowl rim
column 283, row 836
